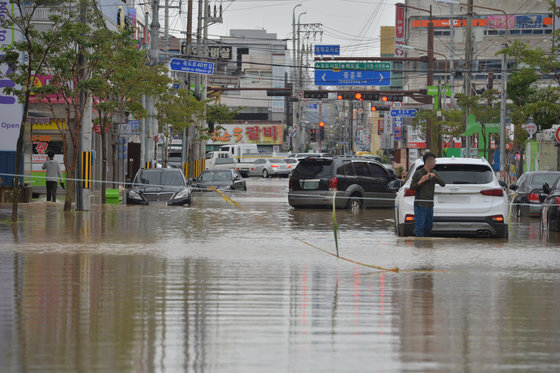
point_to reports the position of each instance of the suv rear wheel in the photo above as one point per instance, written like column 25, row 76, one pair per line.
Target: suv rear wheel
column 355, row 202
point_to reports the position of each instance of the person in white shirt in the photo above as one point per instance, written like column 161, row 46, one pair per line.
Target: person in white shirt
column 53, row 175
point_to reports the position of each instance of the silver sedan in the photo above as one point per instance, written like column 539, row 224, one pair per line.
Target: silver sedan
column 266, row 167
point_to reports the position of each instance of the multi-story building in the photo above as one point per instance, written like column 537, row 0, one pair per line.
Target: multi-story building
column 256, row 61
column 527, row 21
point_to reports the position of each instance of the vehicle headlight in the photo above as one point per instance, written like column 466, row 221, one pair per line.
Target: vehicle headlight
column 182, row 194
column 134, row 195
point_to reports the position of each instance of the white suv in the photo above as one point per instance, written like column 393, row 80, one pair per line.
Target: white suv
column 471, row 202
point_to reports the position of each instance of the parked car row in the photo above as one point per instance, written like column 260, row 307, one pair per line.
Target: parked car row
column 473, row 201
column 169, row 185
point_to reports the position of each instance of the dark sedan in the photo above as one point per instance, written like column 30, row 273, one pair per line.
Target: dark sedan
column 550, row 217
column 219, row 179
column 159, row 185
column 528, row 194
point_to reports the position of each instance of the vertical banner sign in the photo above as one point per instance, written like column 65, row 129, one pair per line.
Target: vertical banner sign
column 399, row 30
column 10, row 109
column 557, row 16
column 397, row 128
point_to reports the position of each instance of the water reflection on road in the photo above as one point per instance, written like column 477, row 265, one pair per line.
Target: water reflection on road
column 213, row 288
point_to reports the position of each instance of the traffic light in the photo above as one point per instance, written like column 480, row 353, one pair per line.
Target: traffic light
column 392, row 98
column 313, row 135
column 345, row 96
column 278, row 92
column 361, row 96
column 321, row 131
column 380, row 108
column 315, row 94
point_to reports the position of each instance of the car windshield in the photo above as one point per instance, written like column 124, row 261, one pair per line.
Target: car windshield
column 290, row 160
column 160, row 177
column 313, row 168
column 215, row 176
column 465, row 173
column 540, row 179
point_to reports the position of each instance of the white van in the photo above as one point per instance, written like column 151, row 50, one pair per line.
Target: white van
column 239, row 151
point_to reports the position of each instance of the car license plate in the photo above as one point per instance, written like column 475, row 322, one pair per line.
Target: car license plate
column 453, row 199
column 311, row 184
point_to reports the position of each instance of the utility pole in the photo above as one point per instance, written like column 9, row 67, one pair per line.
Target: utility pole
column 149, row 147
column 468, row 68
column 84, row 142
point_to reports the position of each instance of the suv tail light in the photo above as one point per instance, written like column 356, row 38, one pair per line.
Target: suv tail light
column 409, row 218
column 409, row 192
column 534, row 198
column 333, row 183
column 557, row 199
column 291, row 184
column 497, row 192
column 497, row 218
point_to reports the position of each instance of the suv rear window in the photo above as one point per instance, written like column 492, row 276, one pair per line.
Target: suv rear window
column 313, row 168
column 465, row 173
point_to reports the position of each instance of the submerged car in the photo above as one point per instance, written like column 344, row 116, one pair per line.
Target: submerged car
column 550, row 217
column 219, row 179
column 357, row 183
column 471, row 202
column 528, row 197
column 159, row 185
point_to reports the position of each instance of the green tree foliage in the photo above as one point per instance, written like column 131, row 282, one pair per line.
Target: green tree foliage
column 36, row 46
column 123, row 77
column 436, row 129
column 486, row 109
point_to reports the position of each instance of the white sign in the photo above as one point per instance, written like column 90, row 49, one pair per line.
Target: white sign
column 531, row 128
column 11, row 112
column 125, row 130
column 557, row 135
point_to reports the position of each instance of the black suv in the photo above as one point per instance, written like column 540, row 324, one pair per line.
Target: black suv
column 357, row 182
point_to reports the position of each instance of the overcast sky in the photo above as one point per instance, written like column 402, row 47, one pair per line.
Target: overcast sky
column 353, row 24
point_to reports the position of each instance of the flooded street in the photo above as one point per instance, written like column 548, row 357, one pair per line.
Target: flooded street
column 218, row 288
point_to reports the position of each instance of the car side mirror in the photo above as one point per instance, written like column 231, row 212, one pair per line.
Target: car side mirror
column 192, row 180
column 394, row 185
column 546, row 188
column 513, row 187
column 502, row 184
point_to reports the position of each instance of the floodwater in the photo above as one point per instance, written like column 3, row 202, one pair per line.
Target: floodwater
column 215, row 288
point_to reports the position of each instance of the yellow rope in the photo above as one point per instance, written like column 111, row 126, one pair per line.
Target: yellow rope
column 234, row 203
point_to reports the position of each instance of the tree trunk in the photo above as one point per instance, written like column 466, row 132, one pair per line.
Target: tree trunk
column 19, row 152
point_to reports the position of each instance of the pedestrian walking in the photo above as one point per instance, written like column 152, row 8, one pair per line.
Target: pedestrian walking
column 53, row 176
column 424, row 183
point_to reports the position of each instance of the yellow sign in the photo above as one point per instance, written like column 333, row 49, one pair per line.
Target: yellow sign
column 51, row 126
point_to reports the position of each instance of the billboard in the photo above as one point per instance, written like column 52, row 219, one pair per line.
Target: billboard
column 10, row 110
column 260, row 134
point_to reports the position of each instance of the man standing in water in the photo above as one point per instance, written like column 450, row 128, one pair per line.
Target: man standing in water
column 53, row 175
column 424, row 183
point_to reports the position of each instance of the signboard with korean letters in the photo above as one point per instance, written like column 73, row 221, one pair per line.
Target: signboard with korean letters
column 254, row 133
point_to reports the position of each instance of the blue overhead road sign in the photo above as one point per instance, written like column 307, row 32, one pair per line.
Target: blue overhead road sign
column 190, row 66
column 352, row 77
column 403, row 113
